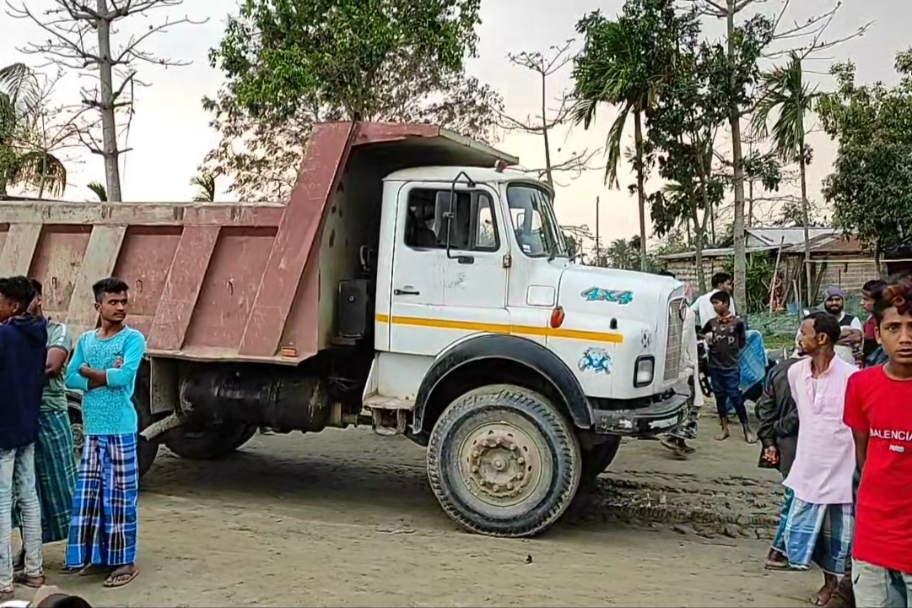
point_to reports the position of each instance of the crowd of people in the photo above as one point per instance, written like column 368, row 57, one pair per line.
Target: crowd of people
column 835, row 422
column 43, row 493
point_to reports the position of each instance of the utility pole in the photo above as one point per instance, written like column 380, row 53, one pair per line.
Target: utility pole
column 598, row 257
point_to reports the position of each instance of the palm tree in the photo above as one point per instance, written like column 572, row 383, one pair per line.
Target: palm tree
column 789, row 98
column 20, row 162
column 623, row 63
column 205, row 184
column 98, row 190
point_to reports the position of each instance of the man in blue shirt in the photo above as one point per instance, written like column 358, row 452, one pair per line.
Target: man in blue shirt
column 22, row 352
column 103, row 527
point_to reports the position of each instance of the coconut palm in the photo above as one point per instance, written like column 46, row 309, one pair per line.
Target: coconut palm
column 623, row 64
column 21, row 163
column 205, row 184
column 98, row 190
column 787, row 98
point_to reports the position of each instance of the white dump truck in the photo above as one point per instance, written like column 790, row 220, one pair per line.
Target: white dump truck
column 412, row 283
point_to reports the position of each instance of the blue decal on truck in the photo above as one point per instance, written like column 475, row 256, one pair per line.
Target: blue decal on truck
column 594, row 294
column 595, row 359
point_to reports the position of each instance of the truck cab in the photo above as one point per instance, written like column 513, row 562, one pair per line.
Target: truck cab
column 482, row 304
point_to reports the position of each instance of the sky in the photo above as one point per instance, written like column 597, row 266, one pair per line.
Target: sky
column 170, row 134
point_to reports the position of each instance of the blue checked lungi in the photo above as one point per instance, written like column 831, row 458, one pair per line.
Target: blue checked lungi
column 103, row 525
column 821, row 534
column 779, row 538
column 55, row 473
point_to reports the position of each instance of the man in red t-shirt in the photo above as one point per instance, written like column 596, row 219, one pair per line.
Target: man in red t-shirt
column 879, row 411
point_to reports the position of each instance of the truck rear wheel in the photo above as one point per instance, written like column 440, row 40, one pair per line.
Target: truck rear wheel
column 598, row 458
column 503, row 461
column 210, row 443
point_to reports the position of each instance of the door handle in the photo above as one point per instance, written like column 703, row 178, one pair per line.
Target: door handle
column 406, row 292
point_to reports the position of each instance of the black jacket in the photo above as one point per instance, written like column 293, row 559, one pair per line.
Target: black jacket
column 779, row 415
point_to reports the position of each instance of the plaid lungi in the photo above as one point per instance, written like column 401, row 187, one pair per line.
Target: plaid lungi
column 819, row 533
column 104, row 519
column 55, row 473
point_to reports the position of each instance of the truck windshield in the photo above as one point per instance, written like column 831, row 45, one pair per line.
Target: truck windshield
column 534, row 224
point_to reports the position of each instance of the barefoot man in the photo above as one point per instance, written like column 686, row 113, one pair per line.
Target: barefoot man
column 725, row 336
column 103, row 527
column 820, row 522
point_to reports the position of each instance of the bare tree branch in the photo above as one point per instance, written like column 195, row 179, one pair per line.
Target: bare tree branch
column 79, row 38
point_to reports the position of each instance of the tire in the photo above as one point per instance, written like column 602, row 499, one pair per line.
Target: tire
column 146, row 450
column 211, row 443
column 546, row 477
column 599, row 458
column 246, row 436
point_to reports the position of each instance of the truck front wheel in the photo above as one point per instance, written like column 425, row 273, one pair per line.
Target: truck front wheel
column 503, row 461
column 209, row 443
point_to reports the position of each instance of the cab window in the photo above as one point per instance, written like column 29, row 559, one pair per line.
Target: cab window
column 472, row 229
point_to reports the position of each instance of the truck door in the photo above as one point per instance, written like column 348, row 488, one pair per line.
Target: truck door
column 439, row 295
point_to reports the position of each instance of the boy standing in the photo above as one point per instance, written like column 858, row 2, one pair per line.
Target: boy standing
column 877, row 410
column 55, row 466
column 725, row 337
column 103, row 527
column 820, row 521
column 22, row 350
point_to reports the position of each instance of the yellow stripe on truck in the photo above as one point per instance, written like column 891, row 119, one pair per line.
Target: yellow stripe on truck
column 498, row 328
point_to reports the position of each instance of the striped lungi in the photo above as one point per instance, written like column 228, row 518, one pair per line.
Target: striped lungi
column 104, row 518
column 55, row 475
column 819, row 533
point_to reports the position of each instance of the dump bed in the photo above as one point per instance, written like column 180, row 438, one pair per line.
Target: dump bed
column 213, row 281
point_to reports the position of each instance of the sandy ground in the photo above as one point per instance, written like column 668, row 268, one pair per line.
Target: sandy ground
column 345, row 518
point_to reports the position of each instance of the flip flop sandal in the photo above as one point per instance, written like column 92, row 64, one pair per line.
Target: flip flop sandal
column 120, row 578
column 7, row 594
column 33, row 582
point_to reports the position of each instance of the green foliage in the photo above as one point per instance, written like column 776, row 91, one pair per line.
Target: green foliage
column 99, row 191
column 683, row 124
column 292, row 63
column 757, row 281
column 623, row 63
column 281, row 55
column 785, row 96
column 871, row 185
column 205, row 187
column 20, row 164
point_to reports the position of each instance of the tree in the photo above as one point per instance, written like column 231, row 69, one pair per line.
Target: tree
column 98, row 190
column 292, row 63
column 78, row 37
column 543, row 125
column 785, row 96
column 738, row 71
column 27, row 140
column 871, row 184
column 205, row 187
column 682, row 127
column 624, row 63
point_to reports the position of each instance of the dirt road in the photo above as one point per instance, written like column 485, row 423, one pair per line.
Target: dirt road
column 345, row 518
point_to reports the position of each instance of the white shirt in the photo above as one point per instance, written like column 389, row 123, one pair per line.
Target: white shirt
column 704, row 308
column 689, row 354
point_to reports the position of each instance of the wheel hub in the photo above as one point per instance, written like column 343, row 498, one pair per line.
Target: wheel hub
column 501, row 462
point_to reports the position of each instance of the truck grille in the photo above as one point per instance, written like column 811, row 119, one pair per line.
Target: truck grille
column 673, row 340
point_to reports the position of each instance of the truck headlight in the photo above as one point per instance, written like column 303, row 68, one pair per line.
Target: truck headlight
column 644, row 371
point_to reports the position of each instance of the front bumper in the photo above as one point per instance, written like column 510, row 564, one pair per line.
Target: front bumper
column 656, row 418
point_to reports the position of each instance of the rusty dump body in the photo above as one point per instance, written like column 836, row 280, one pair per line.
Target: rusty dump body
column 229, row 282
